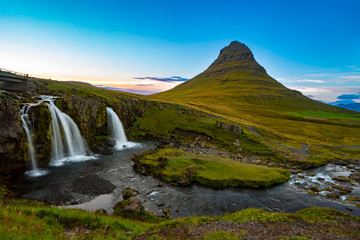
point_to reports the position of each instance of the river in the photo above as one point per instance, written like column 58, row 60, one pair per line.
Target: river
column 56, row 187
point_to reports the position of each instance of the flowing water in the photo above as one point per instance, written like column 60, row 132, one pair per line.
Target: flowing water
column 116, row 129
column 28, row 127
column 67, row 144
column 182, row 201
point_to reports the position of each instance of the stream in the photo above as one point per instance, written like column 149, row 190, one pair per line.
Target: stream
column 57, row 188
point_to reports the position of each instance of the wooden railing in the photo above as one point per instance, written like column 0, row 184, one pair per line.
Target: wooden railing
column 9, row 73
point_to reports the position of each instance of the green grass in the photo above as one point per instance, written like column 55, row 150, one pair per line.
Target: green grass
column 22, row 219
column 322, row 114
column 282, row 116
column 211, row 171
column 244, row 94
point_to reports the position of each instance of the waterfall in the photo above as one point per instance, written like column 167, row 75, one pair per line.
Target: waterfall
column 28, row 127
column 117, row 130
column 67, row 144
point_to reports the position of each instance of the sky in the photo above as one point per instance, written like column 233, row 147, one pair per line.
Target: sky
column 150, row 46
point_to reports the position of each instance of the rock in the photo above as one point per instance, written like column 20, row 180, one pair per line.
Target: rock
column 160, row 184
column 162, row 162
column 342, row 189
column 341, row 179
column 160, row 204
column 187, row 176
column 332, row 195
column 355, row 177
column 166, row 213
column 237, row 129
column 92, row 185
column 314, row 189
column 13, row 150
column 129, row 192
column 101, row 211
column 129, row 205
column 223, row 125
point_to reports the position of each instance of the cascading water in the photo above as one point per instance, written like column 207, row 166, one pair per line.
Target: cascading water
column 27, row 125
column 67, row 143
column 117, row 130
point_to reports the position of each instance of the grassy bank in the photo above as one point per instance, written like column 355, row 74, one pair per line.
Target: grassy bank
column 179, row 168
column 20, row 219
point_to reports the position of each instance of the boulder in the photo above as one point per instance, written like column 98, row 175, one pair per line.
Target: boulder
column 187, row 176
column 101, row 211
column 129, row 205
column 166, row 213
column 129, row 192
column 235, row 128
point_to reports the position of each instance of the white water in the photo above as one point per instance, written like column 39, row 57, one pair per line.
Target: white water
column 117, row 130
column 27, row 125
column 67, row 144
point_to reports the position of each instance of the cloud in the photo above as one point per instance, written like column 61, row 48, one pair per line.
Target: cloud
column 352, row 77
column 144, row 85
column 349, row 96
column 312, row 81
column 170, row 79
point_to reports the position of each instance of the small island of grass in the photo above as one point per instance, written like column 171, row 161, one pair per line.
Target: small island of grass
column 179, row 168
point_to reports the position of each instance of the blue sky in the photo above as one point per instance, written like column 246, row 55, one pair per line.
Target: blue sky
column 311, row 46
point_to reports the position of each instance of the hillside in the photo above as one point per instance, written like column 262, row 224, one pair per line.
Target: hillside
column 236, row 87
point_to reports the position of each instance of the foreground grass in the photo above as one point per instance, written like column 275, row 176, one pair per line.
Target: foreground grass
column 179, row 168
column 22, row 219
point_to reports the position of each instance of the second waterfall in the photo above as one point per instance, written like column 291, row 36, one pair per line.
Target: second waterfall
column 67, row 144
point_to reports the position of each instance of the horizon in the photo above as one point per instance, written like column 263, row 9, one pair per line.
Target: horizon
column 152, row 47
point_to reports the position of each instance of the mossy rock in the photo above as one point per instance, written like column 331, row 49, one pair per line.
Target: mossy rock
column 129, row 192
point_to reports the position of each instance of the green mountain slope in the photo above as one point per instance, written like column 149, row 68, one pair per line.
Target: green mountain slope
column 237, row 88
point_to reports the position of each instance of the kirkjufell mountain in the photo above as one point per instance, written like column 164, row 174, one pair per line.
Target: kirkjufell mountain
column 236, row 78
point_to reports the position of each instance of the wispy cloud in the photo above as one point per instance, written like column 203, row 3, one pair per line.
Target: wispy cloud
column 352, row 77
column 144, row 85
column 169, row 79
column 312, row 81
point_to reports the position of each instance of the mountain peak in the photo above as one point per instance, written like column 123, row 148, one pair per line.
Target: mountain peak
column 236, row 51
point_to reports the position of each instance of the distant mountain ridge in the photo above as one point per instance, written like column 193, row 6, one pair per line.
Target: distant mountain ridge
column 349, row 106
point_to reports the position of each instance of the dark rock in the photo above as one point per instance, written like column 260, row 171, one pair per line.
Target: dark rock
column 129, row 205
column 160, row 204
column 355, row 177
column 92, row 185
column 13, row 148
column 341, row 179
column 166, row 213
column 129, row 192
column 235, row 128
column 101, row 211
column 160, row 184
column 162, row 162
column 187, row 176
column 342, row 189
